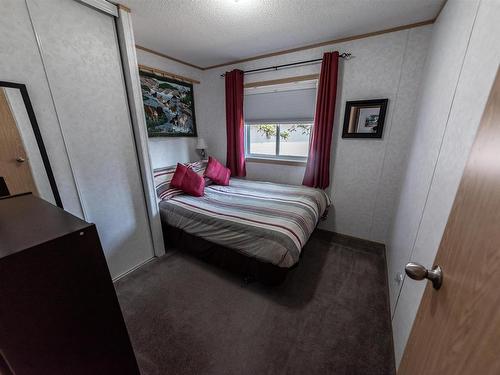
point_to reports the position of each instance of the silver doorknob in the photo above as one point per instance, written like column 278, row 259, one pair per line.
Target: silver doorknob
column 20, row 159
column 418, row 272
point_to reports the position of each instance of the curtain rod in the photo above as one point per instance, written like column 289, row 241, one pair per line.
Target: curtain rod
column 345, row 55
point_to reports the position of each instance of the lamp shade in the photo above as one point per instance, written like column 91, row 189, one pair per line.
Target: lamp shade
column 201, row 144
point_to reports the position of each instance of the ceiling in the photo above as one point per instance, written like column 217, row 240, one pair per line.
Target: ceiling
column 210, row 32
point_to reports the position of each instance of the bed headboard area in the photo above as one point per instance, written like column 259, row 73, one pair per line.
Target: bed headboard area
column 163, row 176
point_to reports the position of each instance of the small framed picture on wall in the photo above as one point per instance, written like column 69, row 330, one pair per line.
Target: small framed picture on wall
column 364, row 118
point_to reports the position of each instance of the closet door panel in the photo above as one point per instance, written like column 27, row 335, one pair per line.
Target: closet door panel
column 20, row 62
column 80, row 52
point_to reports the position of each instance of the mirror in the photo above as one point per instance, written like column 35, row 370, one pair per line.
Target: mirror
column 24, row 165
column 364, row 118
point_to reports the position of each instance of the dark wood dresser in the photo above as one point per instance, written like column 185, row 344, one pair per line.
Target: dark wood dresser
column 59, row 313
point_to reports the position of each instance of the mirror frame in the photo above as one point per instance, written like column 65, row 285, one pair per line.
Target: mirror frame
column 381, row 103
column 38, row 137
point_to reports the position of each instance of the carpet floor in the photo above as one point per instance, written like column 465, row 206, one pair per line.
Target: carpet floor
column 330, row 316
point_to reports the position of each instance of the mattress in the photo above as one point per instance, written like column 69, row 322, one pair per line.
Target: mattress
column 267, row 221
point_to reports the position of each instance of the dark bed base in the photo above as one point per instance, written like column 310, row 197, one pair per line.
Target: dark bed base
column 249, row 268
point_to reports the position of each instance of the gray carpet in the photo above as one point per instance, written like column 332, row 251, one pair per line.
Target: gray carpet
column 330, row 316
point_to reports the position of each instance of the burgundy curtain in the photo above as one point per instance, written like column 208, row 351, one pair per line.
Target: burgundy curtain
column 318, row 162
column 235, row 159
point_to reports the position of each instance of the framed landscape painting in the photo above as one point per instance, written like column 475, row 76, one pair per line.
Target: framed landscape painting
column 168, row 106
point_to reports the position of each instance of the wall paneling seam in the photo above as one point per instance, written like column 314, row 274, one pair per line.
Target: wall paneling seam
column 40, row 52
column 388, row 133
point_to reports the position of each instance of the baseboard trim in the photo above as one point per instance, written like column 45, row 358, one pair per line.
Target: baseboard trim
column 342, row 239
column 350, row 241
column 122, row 275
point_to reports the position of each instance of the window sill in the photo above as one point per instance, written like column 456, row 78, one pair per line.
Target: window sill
column 252, row 159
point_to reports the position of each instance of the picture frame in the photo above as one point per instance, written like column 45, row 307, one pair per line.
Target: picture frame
column 364, row 118
column 168, row 106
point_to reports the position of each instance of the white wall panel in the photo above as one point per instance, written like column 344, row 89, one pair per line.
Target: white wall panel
column 400, row 135
column 373, row 73
column 479, row 63
column 80, row 52
column 442, row 71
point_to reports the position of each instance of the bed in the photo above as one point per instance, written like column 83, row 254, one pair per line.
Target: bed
column 258, row 228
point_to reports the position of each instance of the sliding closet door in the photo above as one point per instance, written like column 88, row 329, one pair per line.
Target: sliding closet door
column 80, row 53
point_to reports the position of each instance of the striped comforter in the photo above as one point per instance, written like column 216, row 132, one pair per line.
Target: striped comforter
column 267, row 221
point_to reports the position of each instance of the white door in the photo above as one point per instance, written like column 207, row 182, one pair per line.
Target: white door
column 80, row 53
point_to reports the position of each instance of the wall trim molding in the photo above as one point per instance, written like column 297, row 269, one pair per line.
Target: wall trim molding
column 133, row 88
column 325, row 43
column 280, row 81
column 440, row 10
column 168, row 57
column 160, row 72
column 122, row 275
column 296, row 49
column 299, row 163
column 123, row 7
column 102, row 6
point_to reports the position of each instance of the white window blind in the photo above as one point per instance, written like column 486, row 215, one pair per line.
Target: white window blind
column 290, row 105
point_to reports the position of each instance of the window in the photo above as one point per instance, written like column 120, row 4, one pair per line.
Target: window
column 279, row 120
column 283, row 140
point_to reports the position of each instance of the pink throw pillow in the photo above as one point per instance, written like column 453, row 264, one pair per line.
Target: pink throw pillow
column 193, row 183
column 217, row 172
column 179, row 174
